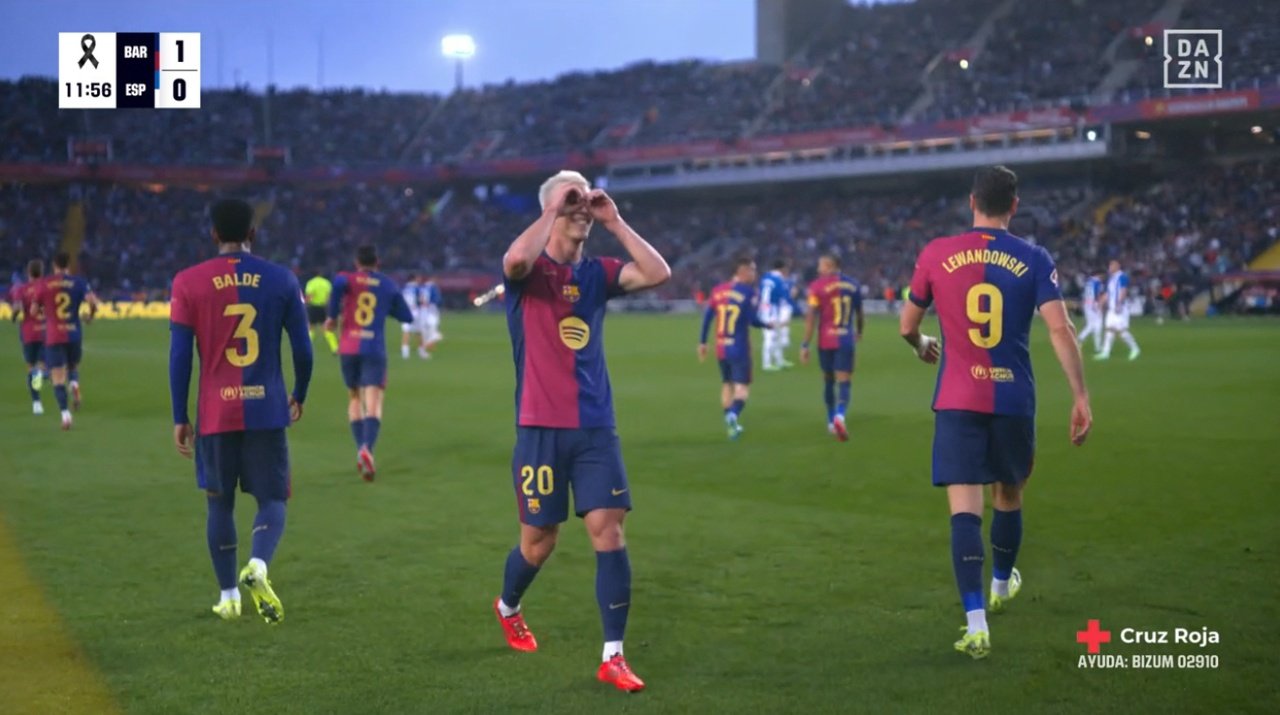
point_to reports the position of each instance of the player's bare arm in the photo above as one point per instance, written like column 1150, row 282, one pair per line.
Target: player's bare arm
column 810, row 323
column 647, row 268
column 530, row 244
column 927, row 348
column 182, row 439
column 92, row 299
column 1063, row 336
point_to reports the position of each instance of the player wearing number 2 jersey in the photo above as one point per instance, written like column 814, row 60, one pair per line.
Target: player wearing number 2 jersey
column 364, row 298
column 835, row 309
column 234, row 307
column 61, row 296
column 986, row 285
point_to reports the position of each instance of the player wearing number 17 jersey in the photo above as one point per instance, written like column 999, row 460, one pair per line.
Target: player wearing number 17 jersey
column 364, row 298
column 986, row 285
column 733, row 310
column 835, row 309
column 235, row 307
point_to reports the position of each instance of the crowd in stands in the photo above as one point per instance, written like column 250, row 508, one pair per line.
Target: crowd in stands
column 1040, row 54
column 867, row 64
column 1183, row 229
column 1250, row 53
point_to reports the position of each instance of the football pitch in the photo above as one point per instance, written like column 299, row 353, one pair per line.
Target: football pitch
column 785, row 573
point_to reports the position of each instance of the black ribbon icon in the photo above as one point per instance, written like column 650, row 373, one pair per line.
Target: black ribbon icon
column 87, row 43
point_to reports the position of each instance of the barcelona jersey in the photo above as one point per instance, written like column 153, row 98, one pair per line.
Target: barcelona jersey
column 986, row 285
column 237, row 306
column 732, row 309
column 555, row 315
column 837, row 299
column 365, row 299
column 60, row 297
column 26, row 296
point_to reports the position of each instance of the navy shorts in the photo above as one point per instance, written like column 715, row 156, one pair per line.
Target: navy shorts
column 548, row 463
column 836, row 359
column 364, row 370
column 255, row 460
column 64, row 355
column 316, row 314
column 33, row 352
column 736, row 371
column 978, row 448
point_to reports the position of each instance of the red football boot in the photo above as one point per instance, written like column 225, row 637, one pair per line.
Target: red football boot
column 364, row 461
column 618, row 673
column 838, row 428
column 514, row 628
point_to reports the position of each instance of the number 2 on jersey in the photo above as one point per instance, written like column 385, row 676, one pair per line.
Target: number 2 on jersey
column 63, row 307
column 244, row 331
column 365, row 305
column 728, row 320
column 991, row 317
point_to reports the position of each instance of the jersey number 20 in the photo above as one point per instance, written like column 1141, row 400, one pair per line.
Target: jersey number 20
column 244, row 331
column 991, row 316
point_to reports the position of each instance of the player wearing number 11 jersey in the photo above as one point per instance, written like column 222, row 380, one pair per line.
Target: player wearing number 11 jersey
column 986, row 285
column 364, row 298
column 835, row 309
column 234, row 307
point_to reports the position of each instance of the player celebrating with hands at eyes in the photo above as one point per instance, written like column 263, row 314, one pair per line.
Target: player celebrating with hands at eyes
column 565, row 430
column 986, row 285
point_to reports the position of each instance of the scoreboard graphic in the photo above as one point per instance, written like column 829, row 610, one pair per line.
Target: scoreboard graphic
column 127, row 70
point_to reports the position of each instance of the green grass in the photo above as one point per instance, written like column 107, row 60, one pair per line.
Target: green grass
column 783, row 573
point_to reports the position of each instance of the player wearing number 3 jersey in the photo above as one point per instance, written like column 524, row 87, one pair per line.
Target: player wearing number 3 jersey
column 364, row 298
column 987, row 285
column 235, row 307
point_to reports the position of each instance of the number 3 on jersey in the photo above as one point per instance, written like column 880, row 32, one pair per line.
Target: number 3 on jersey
column 366, row 303
column 244, row 331
column 988, row 314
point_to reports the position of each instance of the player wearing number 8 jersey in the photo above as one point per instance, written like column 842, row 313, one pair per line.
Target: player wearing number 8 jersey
column 235, row 307
column 986, row 285
column 364, row 298
column 565, row 435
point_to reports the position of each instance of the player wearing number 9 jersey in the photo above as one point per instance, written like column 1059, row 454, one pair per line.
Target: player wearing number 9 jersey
column 235, row 307
column 835, row 309
column 364, row 298
column 986, row 285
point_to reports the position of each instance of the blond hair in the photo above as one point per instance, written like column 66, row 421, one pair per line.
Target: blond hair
column 562, row 177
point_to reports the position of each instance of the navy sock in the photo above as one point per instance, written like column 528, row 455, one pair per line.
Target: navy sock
column 737, row 407
column 60, row 394
column 516, row 578
column 843, row 403
column 35, row 396
column 829, row 396
column 268, row 528
column 371, row 427
column 966, row 556
column 357, row 432
column 1006, row 537
column 613, row 591
column 221, row 532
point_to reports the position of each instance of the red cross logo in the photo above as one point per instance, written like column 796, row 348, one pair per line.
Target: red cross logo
column 1093, row 636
